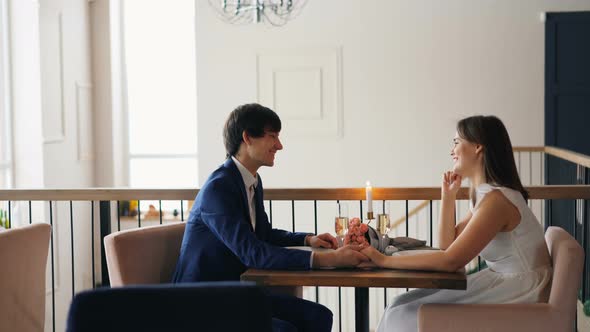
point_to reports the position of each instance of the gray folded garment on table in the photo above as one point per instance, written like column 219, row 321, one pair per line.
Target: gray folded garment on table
column 405, row 243
column 399, row 243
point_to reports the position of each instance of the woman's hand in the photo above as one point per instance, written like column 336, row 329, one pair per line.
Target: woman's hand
column 451, row 183
column 374, row 255
column 347, row 256
column 367, row 265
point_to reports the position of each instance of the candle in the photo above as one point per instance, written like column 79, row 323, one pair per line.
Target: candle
column 369, row 192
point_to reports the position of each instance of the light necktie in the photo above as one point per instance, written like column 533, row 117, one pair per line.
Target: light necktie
column 252, row 206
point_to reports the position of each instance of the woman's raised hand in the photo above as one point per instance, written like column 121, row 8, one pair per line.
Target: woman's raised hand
column 451, row 183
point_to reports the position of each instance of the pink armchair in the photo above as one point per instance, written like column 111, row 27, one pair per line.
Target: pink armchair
column 556, row 315
column 23, row 260
column 148, row 255
column 145, row 255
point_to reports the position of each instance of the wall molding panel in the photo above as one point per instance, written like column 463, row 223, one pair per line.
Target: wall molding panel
column 304, row 86
column 52, row 78
column 84, row 121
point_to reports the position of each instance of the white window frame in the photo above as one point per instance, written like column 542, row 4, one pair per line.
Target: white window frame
column 6, row 162
column 127, row 155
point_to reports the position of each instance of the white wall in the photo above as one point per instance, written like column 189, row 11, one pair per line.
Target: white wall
column 26, row 94
column 64, row 59
column 410, row 70
column 108, row 93
column 67, row 93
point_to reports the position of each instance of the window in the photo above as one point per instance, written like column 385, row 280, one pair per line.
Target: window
column 160, row 83
column 5, row 120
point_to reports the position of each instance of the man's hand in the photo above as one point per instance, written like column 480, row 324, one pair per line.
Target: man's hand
column 325, row 240
column 347, row 256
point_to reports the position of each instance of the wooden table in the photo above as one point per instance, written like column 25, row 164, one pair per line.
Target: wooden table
column 361, row 280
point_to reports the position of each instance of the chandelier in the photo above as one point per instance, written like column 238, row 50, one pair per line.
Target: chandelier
column 274, row 12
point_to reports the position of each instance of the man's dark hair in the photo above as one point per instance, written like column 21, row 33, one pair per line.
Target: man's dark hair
column 255, row 119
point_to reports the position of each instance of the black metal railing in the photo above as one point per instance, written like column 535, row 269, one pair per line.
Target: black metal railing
column 292, row 206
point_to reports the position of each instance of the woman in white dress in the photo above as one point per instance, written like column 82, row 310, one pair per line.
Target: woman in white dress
column 500, row 227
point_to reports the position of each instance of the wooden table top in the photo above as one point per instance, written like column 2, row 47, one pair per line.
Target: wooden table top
column 358, row 278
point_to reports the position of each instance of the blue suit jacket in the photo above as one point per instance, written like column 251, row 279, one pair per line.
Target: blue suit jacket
column 219, row 243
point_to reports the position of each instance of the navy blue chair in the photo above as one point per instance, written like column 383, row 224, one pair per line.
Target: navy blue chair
column 210, row 306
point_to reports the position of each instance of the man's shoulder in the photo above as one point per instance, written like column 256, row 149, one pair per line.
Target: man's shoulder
column 221, row 178
column 220, row 193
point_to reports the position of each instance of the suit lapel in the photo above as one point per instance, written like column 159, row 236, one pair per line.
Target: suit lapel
column 237, row 177
column 259, row 204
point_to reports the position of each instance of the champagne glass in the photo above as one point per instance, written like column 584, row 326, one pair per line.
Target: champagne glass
column 383, row 224
column 383, row 227
column 341, row 222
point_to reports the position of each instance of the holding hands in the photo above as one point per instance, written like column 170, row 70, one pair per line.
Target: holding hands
column 347, row 256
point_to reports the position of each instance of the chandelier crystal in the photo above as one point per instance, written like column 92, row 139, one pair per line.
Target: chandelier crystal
column 274, row 12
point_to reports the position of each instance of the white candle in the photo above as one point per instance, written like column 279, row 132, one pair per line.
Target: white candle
column 369, row 192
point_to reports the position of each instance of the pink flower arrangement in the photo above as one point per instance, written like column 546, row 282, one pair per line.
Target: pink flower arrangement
column 356, row 232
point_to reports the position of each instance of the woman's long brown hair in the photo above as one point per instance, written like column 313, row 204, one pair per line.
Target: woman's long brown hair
column 498, row 157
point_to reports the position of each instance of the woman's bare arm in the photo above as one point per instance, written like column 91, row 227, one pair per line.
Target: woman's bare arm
column 492, row 216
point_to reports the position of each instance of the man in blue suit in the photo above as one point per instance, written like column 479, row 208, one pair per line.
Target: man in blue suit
column 228, row 230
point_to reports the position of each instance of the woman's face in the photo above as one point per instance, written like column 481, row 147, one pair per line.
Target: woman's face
column 466, row 156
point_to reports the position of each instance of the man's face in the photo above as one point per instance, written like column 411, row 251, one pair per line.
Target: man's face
column 262, row 149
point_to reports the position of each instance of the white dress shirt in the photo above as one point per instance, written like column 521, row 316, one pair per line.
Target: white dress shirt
column 250, row 183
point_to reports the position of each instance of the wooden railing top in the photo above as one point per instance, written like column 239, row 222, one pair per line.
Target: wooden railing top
column 574, row 157
column 528, row 148
column 408, row 193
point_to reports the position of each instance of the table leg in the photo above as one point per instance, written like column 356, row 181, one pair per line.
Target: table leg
column 361, row 311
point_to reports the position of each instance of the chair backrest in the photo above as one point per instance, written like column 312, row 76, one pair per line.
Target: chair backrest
column 207, row 306
column 23, row 257
column 568, row 262
column 146, row 255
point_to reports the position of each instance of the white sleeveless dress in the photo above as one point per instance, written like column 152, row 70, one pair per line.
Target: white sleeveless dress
column 519, row 271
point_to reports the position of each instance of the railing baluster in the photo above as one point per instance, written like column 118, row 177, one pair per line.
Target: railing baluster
column 72, row 247
column 52, row 267
column 118, row 217
column 92, row 241
column 584, row 270
column 384, row 288
column 138, row 213
column 315, row 229
column 105, row 229
column 30, row 213
column 585, row 239
column 530, row 168
column 542, row 180
column 340, row 309
column 431, row 244
column 270, row 212
column 9, row 226
column 407, row 222
column 293, row 215
column 518, row 154
column 361, row 206
column 339, row 299
column 540, row 168
column 160, row 208
column 181, row 210
column 407, row 217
